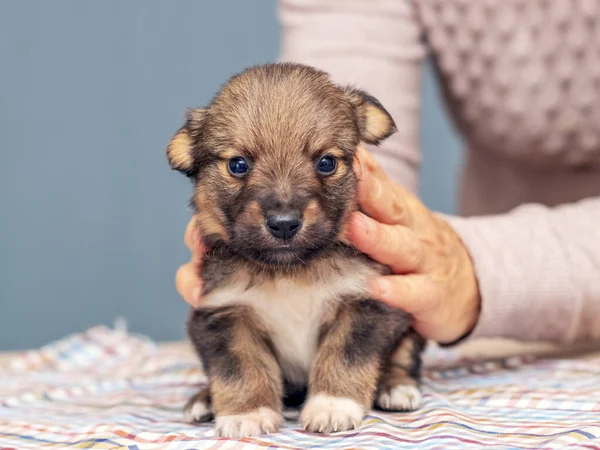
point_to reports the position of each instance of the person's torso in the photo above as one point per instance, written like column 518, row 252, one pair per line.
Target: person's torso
column 522, row 83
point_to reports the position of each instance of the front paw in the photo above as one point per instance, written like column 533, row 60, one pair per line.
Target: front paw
column 198, row 408
column 260, row 421
column 402, row 397
column 326, row 414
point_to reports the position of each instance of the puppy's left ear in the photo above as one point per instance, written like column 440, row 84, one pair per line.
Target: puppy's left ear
column 375, row 123
column 180, row 150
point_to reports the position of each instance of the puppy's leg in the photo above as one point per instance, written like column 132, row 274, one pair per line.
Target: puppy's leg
column 344, row 376
column 398, row 388
column 245, row 379
column 199, row 408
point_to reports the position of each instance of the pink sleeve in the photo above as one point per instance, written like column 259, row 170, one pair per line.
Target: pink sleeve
column 538, row 270
column 374, row 45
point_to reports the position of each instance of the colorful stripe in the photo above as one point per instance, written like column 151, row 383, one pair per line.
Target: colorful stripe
column 105, row 389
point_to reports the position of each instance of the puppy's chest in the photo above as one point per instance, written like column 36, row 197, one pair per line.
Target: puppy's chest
column 293, row 312
column 293, row 316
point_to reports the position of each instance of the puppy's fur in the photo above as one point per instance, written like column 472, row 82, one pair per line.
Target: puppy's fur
column 283, row 318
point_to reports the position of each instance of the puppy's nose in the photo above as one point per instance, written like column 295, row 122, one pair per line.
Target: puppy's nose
column 284, row 226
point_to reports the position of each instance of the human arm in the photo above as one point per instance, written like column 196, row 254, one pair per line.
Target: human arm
column 538, row 270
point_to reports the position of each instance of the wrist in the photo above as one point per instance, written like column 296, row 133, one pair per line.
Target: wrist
column 467, row 293
column 471, row 313
column 471, row 317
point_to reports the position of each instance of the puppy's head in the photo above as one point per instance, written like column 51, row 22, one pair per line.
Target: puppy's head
column 271, row 160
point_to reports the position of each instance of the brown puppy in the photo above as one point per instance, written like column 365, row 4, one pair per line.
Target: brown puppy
column 286, row 309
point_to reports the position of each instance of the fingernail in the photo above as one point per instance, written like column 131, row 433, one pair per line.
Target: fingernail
column 377, row 189
column 361, row 223
column 198, row 243
column 370, row 162
column 380, row 287
column 366, row 223
column 357, row 168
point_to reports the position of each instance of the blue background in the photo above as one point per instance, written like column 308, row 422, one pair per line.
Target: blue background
column 91, row 218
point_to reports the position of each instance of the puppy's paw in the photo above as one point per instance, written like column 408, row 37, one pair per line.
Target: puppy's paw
column 326, row 414
column 401, row 397
column 198, row 409
column 260, row 421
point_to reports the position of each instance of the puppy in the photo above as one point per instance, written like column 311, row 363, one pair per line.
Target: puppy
column 286, row 312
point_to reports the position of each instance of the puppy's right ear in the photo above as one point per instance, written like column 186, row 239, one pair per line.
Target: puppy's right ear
column 180, row 150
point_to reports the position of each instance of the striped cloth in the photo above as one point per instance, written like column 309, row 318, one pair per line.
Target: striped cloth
column 106, row 389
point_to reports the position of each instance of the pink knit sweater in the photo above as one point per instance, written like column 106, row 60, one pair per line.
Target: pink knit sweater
column 522, row 82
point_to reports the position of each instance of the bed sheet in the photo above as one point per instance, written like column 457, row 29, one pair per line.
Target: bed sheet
column 107, row 389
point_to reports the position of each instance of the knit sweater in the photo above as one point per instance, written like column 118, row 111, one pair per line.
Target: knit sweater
column 521, row 79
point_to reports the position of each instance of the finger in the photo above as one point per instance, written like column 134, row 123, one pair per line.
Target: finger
column 369, row 164
column 377, row 195
column 192, row 237
column 419, row 296
column 393, row 245
column 189, row 283
column 410, row 293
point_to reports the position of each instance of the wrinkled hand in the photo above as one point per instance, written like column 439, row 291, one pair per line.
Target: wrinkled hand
column 434, row 277
column 187, row 279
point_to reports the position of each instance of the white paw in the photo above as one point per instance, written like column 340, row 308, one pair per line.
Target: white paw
column 400, row 398
column 326, row 414
column 196, row 411
column 261, row 421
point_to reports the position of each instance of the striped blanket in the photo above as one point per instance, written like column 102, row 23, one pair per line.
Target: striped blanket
column 107, row 389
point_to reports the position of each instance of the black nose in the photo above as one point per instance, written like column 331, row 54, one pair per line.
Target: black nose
column 284, row 226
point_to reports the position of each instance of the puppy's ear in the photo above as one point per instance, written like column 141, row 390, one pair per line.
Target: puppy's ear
column 375, row 123
column 180, row 150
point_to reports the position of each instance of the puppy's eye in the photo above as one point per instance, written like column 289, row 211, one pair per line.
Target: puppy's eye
column 327, row 165
column 238, row 166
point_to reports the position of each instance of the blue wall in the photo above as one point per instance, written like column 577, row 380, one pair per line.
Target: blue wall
column 91, row 218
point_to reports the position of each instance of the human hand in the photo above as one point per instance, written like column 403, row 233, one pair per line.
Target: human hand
column 187, row 278
column 434, row 279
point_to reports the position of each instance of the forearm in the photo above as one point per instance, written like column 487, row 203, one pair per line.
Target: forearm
column 538, row 271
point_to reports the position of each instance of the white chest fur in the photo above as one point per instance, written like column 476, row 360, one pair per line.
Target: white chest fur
column 292, row 309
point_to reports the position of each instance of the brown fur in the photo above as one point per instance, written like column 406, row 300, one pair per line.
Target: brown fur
column 238, row 357
column 282, row 119
column 341, row 369
column 404, row 366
